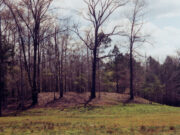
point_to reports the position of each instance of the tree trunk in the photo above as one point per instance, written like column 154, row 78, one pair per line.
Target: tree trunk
column 34, row 90
column 56, row 62
column 131, row 74
column 61, row 76
column 99, row 79
column 1, row 89
column 88, row 71
column 1, row 83
column 38, row 72
column 65, row 65
column 94, row 65
column 61, row 87
column 93, row 90
column 21, row 82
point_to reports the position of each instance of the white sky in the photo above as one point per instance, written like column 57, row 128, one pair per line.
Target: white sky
column 163, row 23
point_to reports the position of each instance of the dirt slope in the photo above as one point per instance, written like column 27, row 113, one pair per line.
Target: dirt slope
column 72, row 99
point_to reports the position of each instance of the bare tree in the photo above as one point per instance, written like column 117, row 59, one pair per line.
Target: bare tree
column 1, row 61
column 36, row 9
column 135, row 35
column 1, row 85
column 98, row 13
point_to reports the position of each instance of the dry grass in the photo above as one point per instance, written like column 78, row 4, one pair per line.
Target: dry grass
column 132, row 119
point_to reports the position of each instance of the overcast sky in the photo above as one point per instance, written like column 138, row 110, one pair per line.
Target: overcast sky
column 163, row 23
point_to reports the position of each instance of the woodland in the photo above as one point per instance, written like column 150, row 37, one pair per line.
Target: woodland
column 42, row 52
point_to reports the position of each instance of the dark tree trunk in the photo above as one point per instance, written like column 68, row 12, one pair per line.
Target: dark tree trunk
column 62, row 69
column 93, row 90
column 81, row 76
column 88, row 71
column 61, row 88
column 38, row 72
column 21, row 82
column 34, row 90
column 36, row 43
column 131, row 74
column 56, row 63
column 1, row 89
column 99, row 79
column 94, row 65
column 65, row 64
column 29, row 48
column 61, row 77
column 1, row 83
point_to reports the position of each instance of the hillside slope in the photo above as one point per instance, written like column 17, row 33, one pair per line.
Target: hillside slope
column 72, row 99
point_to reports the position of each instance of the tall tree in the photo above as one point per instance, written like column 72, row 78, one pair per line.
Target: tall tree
column 37, row 10
column 98, row 13
column 1, row 70
column 135, row 35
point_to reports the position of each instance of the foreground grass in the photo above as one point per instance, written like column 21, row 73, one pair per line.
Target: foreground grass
column 119, row 120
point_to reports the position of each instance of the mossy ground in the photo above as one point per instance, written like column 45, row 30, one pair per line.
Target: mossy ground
column 132, row 119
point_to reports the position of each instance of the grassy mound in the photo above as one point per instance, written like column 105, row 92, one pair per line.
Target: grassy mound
column 132, row 119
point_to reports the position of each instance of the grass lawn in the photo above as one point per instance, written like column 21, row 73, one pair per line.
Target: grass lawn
column 132, row 119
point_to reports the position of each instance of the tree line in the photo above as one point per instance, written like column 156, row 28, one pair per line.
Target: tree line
column 41, row 53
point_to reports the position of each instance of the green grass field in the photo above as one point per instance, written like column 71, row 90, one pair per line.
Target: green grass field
column 132, row 119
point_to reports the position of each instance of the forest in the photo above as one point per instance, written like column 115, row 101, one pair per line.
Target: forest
column 63, row 75
column 40, row 52
column 44, row 52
